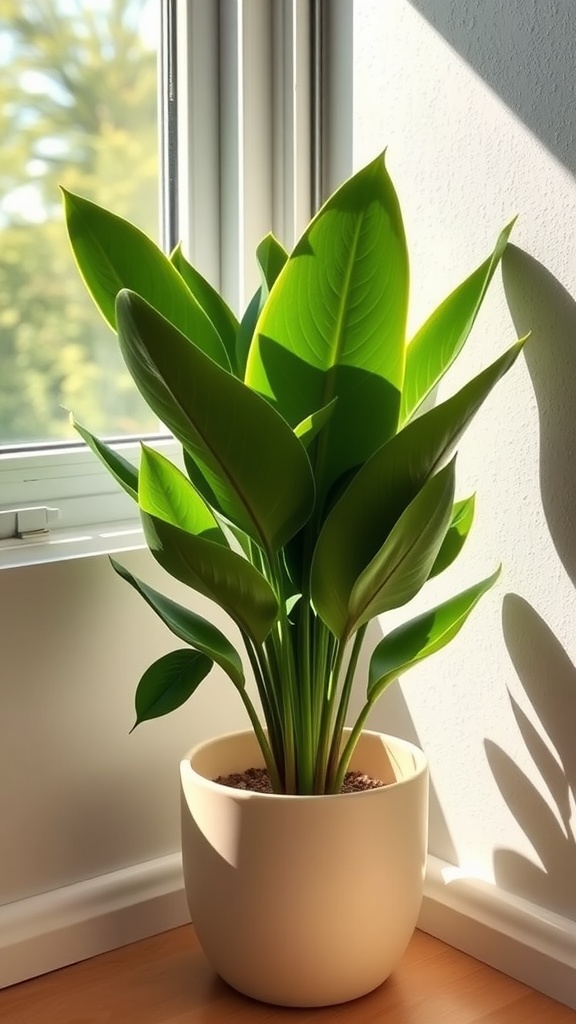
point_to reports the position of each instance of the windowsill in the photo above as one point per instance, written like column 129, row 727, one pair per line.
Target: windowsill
column 76, row 542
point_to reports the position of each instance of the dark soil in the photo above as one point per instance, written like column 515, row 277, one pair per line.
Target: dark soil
column 258, row 780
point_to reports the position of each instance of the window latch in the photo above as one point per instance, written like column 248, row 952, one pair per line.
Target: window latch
column 27, row 522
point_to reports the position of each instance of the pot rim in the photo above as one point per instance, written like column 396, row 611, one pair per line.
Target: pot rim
column 188, row 773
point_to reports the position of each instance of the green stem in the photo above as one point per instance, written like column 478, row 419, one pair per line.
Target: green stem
column 286, row 678
column 343, row 710
column 323, row 751
column 306, row 731
column 351, row 746
column 267, row 694
column 262, row 741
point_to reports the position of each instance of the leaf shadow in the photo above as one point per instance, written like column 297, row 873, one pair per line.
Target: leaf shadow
column 548, row 678
column 540, row 304
column 392, row 715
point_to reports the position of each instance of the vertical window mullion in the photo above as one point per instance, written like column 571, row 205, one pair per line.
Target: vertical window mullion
column 199, row 157
column 293, row 117
column 245, row 142
column 265, row 124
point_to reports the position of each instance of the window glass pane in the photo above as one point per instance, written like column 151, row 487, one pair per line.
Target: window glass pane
column 78, row 107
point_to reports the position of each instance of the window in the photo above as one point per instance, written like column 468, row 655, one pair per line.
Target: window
column 79, row 108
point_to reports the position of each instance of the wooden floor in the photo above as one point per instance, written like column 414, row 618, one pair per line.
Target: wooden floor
column 166, row 980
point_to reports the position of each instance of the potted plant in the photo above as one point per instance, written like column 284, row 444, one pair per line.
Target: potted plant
column 315, row 496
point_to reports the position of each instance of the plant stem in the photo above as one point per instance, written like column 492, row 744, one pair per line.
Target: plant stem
column 286, row 678
column 267, row 696
column 306, row 732
column 323, row 751
column 351, row 746
column 342, row 710
column 262, row 741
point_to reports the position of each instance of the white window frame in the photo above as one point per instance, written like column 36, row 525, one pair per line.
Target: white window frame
column 248, row 161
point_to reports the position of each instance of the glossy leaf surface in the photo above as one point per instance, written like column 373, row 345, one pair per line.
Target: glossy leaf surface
column 312, row 425
column 188, row 626
column 216, row 308
column 438, row 342
column 248, row 455
column 271, row 257
column 169, row 682
column 460, row 525
column 216, row 572
column 334, row 324
column 363, row 517
column 121, row 469
column 422, row 636
column 403, row 563
column 166, row 493
column 113, row 254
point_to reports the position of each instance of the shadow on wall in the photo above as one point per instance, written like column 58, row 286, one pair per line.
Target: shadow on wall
column 549, row 680
column 538, row 302
column 391, row 715
column 525, row 53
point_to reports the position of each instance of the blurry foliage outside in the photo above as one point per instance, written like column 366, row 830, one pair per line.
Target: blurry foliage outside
column 78, row 108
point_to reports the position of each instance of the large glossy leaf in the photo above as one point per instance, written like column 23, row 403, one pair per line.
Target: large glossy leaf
column 188, row 626
column 362, row 518
column 166, row 493
column 123, row 471
column 438, row 342
column 113, row 254
column 460, row 525
column 249, row 457
column 215, row 307
column 403, row 563
column 217, row 572
column 271, row 257
column 334, row 324
column 422, row 636
column 168, row 683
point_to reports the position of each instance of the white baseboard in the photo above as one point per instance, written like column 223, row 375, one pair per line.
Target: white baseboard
column 511, row 934
column 48, row 931
column 45, row 932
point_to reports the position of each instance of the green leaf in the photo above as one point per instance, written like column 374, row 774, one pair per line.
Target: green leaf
column 312, row 425
column 188, row 626
column 403, row 563
column 217, row 310
column 438, row 342
column 123, row 471
column 200, row 483
column 216, row 572
column 207, row 493
column 168, row 683
column 247, row 328
column 249, row 457
column 113, row 254
column 462, row 519
column 364, row 515
column 271, row 257
column 165, row 492
column 334, row 324
column 418, row 639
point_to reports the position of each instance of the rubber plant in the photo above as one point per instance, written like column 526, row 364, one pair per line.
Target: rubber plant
column 316, row 494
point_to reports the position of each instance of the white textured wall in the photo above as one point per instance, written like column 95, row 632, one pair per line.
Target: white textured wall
column 78, row 796
column 475, row 102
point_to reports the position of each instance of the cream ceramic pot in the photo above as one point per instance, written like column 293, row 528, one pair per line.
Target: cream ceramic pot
column 297, row 900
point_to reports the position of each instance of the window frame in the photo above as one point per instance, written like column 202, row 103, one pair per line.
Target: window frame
column 239, row 156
